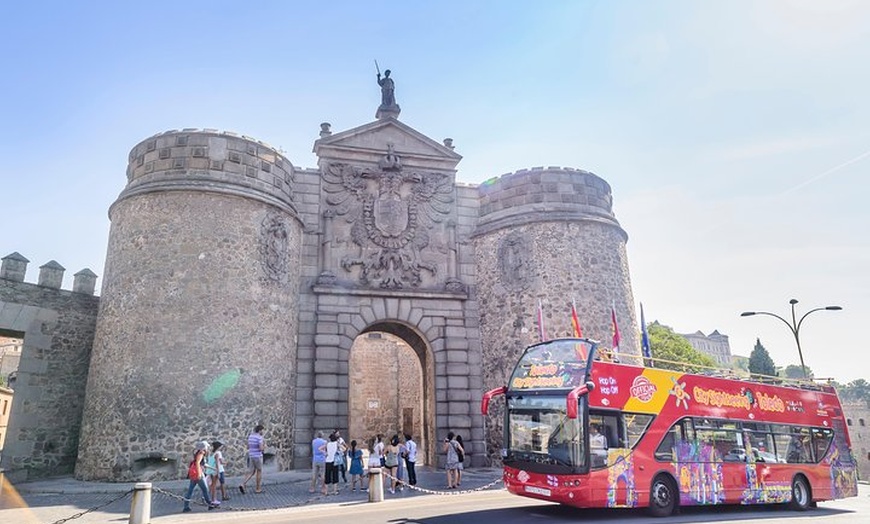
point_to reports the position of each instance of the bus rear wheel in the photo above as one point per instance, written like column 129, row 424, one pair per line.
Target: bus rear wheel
column 662, row 497
column 800, row 494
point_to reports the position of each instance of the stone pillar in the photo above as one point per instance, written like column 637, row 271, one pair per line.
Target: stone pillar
column 85, row 281
column 14, row 267
column 51, row 275
column 196, row 337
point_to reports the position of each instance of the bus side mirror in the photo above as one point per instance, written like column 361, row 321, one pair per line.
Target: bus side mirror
column 574, row 396
column 488, row 396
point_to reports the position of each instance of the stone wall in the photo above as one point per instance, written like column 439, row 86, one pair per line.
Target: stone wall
column 386, row 394
column 858, row 422
column 58, row 330
column 196, row 337
column 547, row 235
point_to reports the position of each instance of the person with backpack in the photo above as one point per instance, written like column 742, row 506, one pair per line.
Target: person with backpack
column 452, row 449
column 197, row 478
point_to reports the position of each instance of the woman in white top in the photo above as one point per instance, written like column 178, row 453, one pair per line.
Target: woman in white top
column 331, row 468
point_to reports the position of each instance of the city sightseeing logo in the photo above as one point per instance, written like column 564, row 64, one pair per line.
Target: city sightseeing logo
column 642, row 389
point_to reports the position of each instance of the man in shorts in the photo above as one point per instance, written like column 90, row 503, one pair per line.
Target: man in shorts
column 256, row 445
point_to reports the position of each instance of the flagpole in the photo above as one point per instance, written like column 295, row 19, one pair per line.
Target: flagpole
column 645, row 348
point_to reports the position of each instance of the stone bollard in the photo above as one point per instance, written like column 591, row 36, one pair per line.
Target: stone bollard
column 376, row 485
column 140, row 508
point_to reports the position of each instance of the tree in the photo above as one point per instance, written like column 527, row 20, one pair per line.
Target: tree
column 857, row 390
column 667, row 345
column 760, row 362
column 796, row 372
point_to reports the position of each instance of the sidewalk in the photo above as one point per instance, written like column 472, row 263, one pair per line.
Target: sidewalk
column 62, row 497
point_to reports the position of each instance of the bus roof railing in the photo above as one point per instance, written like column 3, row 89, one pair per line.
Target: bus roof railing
column 699, row 369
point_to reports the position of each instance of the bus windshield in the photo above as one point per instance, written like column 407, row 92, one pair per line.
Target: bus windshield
column 540, row 432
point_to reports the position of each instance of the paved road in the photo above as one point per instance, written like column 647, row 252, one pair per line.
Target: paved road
column 482, row 507
column 500, row 507
column 49, row 501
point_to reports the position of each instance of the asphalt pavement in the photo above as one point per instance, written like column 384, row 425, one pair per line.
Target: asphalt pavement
column 64, row 499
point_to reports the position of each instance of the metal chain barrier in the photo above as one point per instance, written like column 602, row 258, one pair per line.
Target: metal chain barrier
column 437, row 492
column 228, row 507
column 95, row 508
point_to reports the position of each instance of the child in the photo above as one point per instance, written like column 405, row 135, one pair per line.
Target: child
column 219, row 462
column 209, row 470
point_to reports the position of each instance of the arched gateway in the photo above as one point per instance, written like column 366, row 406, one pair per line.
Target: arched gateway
column 240, row 289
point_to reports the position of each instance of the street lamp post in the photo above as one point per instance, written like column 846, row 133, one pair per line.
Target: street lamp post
column 794, row 325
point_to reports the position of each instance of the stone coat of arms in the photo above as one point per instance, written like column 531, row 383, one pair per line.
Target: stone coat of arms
column 392, row 212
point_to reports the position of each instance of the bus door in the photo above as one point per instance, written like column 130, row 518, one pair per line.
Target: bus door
column 612, row 437
column 760, row 457
column 722, row 455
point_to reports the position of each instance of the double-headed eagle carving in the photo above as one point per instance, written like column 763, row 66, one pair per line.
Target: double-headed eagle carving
column 392, row 212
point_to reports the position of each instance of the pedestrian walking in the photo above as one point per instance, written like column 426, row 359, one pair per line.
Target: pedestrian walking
column 256, row 446
column 218, row 453
column 391, row 461
column 196, row 478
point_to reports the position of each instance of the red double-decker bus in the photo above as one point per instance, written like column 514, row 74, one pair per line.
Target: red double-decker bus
column 592, row 434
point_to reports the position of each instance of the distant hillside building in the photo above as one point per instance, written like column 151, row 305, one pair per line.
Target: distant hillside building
column 715, row 345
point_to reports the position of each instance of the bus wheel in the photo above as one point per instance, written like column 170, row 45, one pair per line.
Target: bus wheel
column 662, row 497
column 800, row 494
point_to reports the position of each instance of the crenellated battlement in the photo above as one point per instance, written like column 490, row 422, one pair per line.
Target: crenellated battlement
column 14, row 268
column 210, row 160
column 544, row 193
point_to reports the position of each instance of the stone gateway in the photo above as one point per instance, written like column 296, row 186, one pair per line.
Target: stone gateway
column 373, row 291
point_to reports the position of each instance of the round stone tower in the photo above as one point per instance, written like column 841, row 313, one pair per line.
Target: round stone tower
column 547, row 235
column 196, row 334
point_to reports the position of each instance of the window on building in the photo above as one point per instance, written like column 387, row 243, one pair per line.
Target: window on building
column 861, row 422
column 848, row 422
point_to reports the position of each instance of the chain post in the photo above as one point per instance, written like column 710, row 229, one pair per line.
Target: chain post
column 140, row 507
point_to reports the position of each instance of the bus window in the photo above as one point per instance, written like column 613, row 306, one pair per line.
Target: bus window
column 821, row 441
column 723, row 437
column 635, row 426
column 665, row 451
column 762, row 446
column 796, row 444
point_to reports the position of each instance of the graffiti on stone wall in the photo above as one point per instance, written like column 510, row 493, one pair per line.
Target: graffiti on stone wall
column 514, row 259
column 275, row 247
column 392, row 212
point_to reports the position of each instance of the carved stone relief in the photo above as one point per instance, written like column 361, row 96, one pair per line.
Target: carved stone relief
column 392, row 212
column 514, row 259
column 275, row 247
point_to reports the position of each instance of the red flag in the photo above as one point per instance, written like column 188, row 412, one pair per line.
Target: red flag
column 615, row 332
column 541, row 321
column 575, row 322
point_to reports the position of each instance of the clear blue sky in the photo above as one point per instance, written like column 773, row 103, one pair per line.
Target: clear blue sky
column 734, row 134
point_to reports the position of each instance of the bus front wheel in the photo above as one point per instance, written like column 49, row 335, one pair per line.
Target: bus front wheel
column 662, row 497
column 800, row 494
